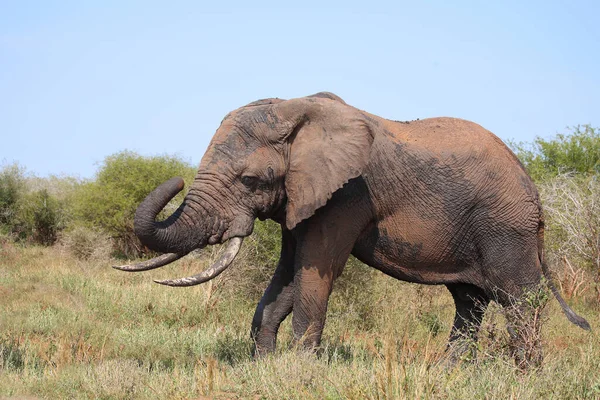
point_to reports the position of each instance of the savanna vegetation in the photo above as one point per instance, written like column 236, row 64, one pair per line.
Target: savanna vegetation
column 72, row 327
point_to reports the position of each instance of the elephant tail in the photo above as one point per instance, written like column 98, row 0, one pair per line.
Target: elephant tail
column 571, row 315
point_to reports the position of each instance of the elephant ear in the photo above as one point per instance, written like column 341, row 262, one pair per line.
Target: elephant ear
column 329, row 144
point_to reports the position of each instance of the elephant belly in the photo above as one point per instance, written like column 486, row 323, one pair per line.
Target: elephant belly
column 412, row 251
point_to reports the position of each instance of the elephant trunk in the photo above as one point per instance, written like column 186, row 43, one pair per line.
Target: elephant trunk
column 180, row 232
column 177, row 235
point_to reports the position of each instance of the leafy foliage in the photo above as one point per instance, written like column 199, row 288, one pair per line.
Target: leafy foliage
column 42, row 217
column 254, row 265
column 122, row 182
column 26, row 213
column 12, row 188
column 567, row 169
column 572, row 207
column 577, row 153
column 87, row 243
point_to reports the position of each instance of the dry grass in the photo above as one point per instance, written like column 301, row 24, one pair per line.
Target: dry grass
column 79, row 329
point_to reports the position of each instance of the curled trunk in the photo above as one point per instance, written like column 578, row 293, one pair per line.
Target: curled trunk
column 180, row 233
column 184, row 231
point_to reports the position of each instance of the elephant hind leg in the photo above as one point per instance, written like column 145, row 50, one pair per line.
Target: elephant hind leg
column 523, row 325
column 517, row 287
column 524, row 319
column 471, row 303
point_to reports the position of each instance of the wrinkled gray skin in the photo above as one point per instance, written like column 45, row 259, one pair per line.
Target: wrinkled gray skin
column 435, row 201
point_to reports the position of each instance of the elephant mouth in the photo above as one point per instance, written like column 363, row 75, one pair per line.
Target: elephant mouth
column 231, row 251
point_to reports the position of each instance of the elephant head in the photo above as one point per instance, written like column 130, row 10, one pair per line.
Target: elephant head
column 273, row 158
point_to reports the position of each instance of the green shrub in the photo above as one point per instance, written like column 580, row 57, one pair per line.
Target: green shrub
column 567, row 169
column 87, row 243
column 41, row 216
column 354, row 294
column 254, row 266
column 122, row 182
column 12, row 189
column 28, row 213
column 577, row 152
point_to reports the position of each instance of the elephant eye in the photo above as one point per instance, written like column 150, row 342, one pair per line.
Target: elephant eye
column 249, row 181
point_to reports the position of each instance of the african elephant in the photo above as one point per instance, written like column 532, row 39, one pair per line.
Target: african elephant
column 433, row 201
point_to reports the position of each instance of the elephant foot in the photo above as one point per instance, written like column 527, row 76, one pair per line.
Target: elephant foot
column 260, row 352
column 264, row 344
column 306, row 345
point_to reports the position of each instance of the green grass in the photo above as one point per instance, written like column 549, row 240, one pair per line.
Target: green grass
column 79, row 329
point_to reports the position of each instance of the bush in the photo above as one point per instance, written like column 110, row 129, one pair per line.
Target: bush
column 254, row 266
column 109, row 202
column 575, row 153
column 354, row 294
column 12, row 189
column 41, row 216
column 27, row 214
column 567, row 169
column 87, row 243
column 572, row 207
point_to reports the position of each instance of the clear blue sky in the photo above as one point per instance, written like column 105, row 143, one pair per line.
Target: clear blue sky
column 81, row 80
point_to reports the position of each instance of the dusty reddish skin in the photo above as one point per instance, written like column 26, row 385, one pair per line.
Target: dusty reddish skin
column 433, row 201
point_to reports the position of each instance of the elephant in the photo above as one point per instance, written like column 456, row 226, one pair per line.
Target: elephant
column 437, row 201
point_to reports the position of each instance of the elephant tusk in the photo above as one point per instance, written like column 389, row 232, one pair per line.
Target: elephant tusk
column 150, row 264
column 233, row 247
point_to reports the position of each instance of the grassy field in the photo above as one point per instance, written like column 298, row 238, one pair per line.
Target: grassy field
column 79, row 329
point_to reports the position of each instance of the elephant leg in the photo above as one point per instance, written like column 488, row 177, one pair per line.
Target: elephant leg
column 310, row 307
column 471, row 303
column 324, row 242
column 523, row 326
column 516, row 286
column 277, row 301
column 319, row 261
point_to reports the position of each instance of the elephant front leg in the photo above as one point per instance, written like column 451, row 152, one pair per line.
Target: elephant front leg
column 324, row 243
column 275, row 305
column 321, row 254
column 310, row 306
column 277, row 301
